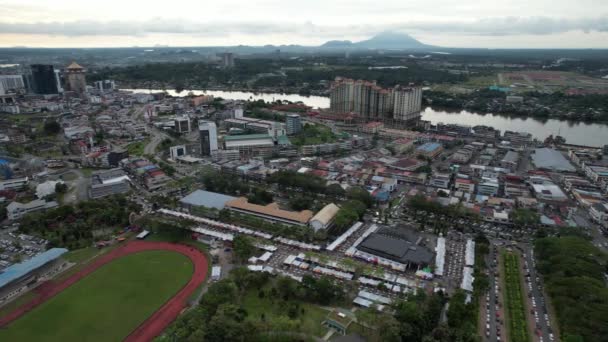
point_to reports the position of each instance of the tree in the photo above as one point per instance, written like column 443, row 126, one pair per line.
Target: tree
column 61, row 188
column 360, row 194
column 52, row 127
column 335, row 190
column 243, row 247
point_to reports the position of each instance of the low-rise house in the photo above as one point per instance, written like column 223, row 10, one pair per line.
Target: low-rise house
column 16, row 210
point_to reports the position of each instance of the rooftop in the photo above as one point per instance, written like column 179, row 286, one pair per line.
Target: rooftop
column 326, row 214
column 17, row 271
column 271, row 209
column 548, row 158
column 207, row 199
column 246, row 137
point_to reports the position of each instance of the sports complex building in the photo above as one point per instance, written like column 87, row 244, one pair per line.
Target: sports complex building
column 20, row 277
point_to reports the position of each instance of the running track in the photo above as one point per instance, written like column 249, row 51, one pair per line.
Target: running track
column 155, row 324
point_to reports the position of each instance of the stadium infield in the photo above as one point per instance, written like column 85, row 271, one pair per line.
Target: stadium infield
column 133, row 293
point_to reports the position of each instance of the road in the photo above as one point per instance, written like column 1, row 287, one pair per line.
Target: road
column 536, row 298
column 156, row 138
column 492, row 315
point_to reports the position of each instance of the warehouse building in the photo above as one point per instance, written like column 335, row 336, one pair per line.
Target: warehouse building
column 398, row 245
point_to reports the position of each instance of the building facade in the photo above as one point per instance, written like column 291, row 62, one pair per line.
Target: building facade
column 76, row 78
column 372, row 102
column 293, row 123
column 208, row 135
column 44, row 79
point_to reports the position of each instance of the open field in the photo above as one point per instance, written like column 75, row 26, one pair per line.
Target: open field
column 514, row 301
column 310, row 317
column 126, row 291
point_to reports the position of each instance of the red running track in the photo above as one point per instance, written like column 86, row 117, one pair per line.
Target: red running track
column 155, row 324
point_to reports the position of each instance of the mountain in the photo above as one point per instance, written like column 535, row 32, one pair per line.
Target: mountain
column 384, row 40
column 337, row 44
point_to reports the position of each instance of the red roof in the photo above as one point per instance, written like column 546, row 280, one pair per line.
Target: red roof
column 320, row 173
column 464, row 180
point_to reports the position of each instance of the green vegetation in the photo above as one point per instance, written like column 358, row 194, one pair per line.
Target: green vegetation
column 291, row 180
column 73, row 226
column 137, row 148
column 442, row 218
column 108, row 304
column 251, row 306
column 573, row 270
column 514, row 299
column 525, row 217
column 305, row 234
column 313, row 135
column 243, row 247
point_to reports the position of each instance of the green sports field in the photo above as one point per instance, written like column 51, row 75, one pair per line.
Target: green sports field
column 109, row 303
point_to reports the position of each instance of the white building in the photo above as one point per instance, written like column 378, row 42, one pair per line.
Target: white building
column 11, row 83
column 16, row 210
column 407, row 103
column 208, row 136
column 324, row 218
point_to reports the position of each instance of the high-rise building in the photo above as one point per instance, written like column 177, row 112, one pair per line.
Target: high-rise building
column 11, row 84
column 76, row 78
column 227, row 60
column 208, row 135
column 105, row 85
column 293, row 123
column 44, row 79
column 407, row 103
column 372, row 102
column 182, row 124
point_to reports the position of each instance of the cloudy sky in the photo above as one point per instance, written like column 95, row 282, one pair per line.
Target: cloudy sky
column 450, row 23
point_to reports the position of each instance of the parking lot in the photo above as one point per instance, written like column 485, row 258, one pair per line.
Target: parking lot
column 15, row 247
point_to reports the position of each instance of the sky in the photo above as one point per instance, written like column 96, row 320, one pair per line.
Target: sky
column 448, row 23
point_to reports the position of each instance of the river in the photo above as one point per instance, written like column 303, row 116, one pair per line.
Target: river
column 578, row 133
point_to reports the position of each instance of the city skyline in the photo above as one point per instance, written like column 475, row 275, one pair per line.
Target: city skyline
column 510, row 24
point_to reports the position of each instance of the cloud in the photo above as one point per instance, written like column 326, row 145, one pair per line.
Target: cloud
column 492, row 26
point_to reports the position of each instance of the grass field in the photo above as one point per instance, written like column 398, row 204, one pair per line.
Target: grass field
column 514, row 300
column 108, row 304
column 308, row 322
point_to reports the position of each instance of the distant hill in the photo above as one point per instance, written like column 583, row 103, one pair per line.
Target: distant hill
column 384, row 40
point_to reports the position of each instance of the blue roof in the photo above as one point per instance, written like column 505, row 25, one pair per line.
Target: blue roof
column 3, row 161
column 429, row 147
column 207, row 199
column 17, row 271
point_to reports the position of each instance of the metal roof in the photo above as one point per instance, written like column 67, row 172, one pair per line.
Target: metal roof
column 548, row 158
column 246, row 137
column 17, row 271
column 207, row 199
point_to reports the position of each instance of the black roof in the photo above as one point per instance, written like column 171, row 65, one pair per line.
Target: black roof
column 398, row 246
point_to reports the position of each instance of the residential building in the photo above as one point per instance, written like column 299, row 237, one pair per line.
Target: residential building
column 430, row 149
column 464, row 184
column 16, row 210
column 372, row 102
column 407, row 103
column 104, row 85
column 599, row 213
column 440, row 180
column 293, row 122
column 75, row 75
column 208, row 136
column 227, row 60
column 510, row 160
column 488, row 187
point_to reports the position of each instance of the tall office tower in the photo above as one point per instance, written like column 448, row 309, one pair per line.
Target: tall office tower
column 44, row 79
column 208, row 134
column 407, row 103
column 293, row 123
column 227, row 60
column 76, row 78
column 11, row 84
